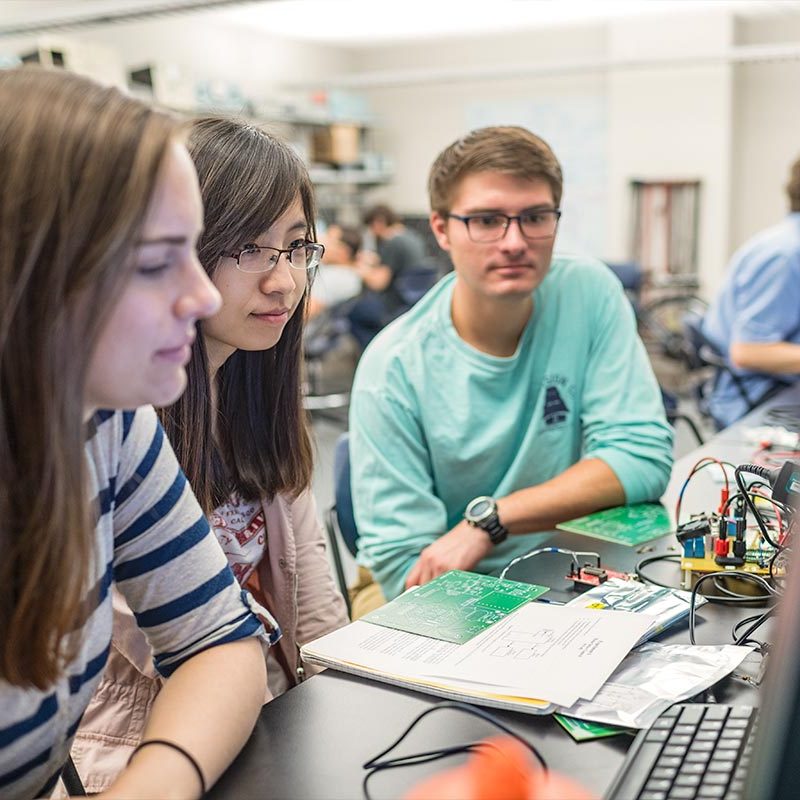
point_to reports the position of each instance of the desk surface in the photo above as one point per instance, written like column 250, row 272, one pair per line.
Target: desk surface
column 311, row 742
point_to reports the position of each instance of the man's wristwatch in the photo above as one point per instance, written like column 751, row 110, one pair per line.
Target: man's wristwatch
column 482, row 513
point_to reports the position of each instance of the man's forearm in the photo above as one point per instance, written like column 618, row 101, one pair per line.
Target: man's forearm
column 771, row 357
column 208, row 707
column 585, row 487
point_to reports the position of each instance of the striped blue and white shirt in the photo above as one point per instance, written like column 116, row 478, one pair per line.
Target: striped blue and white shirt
column 154, row 542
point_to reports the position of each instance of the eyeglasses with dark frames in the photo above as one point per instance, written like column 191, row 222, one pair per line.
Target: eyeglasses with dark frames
column 251, row 258
column 492, row 226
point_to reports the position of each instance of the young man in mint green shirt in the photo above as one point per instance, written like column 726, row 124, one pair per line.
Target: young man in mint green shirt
column 519, row 378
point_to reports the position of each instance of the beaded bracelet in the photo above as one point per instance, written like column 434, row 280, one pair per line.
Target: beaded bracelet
column 189, row 757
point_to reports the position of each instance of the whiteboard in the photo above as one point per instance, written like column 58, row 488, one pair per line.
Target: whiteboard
column 576, row 129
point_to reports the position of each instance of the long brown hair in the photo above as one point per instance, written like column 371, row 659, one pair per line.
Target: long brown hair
column 79, row 163
column 257, row 442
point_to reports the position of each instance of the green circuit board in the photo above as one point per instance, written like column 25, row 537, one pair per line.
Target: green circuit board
column 628, row 525
column 455, row 606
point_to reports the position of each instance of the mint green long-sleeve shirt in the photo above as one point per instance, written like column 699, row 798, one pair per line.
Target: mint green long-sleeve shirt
column 435, row 423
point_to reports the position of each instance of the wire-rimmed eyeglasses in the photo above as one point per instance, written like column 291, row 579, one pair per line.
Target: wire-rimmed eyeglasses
column 263, row 259
column 536, row 224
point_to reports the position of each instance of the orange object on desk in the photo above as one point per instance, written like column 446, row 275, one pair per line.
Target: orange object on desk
column 502, row 770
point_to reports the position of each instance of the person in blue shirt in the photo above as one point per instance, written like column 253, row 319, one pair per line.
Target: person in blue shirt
column 515, row 395
column 755, row 320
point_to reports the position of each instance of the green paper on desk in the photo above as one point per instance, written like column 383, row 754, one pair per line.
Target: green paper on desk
column 583, row 731
column 455, row 606
column 628, row 525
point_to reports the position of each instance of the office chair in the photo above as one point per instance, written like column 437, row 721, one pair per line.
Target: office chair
column 321, row 337
column 670, row 401
column 630, row 275
column 412, row 283
column 701, row 352
column 340, row 522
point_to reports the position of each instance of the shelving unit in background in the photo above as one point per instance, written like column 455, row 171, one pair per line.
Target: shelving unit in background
column 332, row 132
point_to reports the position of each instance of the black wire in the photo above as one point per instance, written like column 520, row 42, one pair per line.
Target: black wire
column 652, row 560
column 376, row 765
column 762, row 473
column 757, row 621
column 434, row 755
column 748, row 576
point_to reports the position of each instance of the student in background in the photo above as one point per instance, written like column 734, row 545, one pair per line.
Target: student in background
column 249, row 456
column 100, row 290
column 398, row 250
column 338, row 279
column 515, row 395
column 755, row 320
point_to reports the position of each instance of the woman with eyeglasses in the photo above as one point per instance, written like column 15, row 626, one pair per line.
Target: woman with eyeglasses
column 100, row 290
column 239, row 430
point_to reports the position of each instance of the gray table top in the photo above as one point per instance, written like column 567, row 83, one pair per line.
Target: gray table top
column 311, row 742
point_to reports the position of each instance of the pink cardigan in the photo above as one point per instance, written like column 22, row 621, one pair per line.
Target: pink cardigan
column 296, row 579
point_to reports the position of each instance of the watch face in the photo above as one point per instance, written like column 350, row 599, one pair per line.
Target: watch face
column 480, row 508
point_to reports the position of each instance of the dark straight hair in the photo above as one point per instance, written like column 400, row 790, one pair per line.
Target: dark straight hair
column 256, row 442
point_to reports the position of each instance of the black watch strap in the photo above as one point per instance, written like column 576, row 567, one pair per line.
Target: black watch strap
column 497, row 532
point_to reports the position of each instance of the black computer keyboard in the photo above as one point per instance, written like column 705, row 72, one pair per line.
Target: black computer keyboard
column 692, row 750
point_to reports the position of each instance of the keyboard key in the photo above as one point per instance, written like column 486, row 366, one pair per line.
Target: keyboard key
column 715, row 779
column 676, row 750
column 658, row 785
column 688, row 780
column 733, row 724
column 741, row 712
column 657, row 736
column 716, row 712
column 662, row 725
column 721, row 765
column 696, row 757
column 711, row 792
column 711, row 725
column 706, row 736
column 669, row 761
column 691, row 714
column 685, row 729
column 653, row 796
column 726, row 753
column 667, row 773
column 676, row 738
column 681, row 793
column 693, row 768
column 702, row 747
column 672, row 711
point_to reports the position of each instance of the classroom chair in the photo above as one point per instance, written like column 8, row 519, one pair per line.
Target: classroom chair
column 340, row 522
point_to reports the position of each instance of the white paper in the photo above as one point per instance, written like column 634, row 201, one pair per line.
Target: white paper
column 400, row 655
column 550, row 652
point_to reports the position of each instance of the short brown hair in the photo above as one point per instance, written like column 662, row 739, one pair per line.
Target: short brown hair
column 509, row 149
column 382, row 212
column 793, row 186
column 351, row 239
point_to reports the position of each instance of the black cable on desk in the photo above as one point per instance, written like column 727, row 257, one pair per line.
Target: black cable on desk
column 376, row 765
column 769, row 592
column 652, row 560
column 755, row 622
